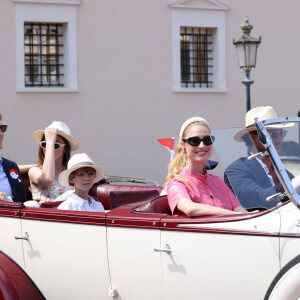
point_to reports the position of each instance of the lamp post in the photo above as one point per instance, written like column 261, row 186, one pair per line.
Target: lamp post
column 246, row 47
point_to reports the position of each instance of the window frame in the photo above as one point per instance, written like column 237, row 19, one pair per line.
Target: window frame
column 208, row 16
column 48, row 11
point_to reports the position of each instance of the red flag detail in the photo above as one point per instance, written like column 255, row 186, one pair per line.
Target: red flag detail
column 169, row 143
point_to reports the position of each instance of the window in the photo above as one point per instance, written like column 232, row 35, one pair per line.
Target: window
column 198, row 46
column 196, row 57
column 43, row 51
column 46, row 46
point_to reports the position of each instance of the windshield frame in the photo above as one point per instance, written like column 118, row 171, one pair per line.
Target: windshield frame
column 266, row 141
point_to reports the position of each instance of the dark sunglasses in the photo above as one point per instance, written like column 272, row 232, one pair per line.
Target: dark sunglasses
column 57, row 145
column 196, row 141
column 3, row 128
column 276, row 134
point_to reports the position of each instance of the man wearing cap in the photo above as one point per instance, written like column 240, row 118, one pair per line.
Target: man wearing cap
column 254, row 180
column 11, row 186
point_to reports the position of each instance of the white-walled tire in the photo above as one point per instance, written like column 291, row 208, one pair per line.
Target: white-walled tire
column 286, row 284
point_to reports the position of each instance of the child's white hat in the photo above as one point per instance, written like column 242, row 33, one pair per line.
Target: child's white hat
column 78, row 161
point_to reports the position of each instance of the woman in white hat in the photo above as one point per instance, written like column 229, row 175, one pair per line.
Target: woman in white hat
column 81, row 174
column 56, row 144
column 191, row 190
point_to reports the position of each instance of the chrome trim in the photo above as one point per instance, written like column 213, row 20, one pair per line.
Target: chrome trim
column 148, row 182
column 259, row 154
column 278, row 195
column 167, row 249
column 23, row 237
column 266, row 140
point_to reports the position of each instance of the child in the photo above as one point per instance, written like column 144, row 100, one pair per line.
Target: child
column 81, row 174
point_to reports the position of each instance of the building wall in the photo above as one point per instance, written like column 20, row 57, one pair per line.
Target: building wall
column 125, row 99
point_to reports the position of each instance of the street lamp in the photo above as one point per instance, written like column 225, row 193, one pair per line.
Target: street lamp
column 246, row 47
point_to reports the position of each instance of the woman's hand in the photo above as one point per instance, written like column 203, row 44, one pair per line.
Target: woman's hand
column 50, row 135
column 241, row 210
column 45, row 200
column 48, row 168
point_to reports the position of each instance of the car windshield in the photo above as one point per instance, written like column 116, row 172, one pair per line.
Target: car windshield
column 248, row 178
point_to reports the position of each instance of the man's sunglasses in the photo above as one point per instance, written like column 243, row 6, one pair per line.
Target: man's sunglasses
column 196, row 141
column 276, row 134
column 3, row 128
column 57, row 145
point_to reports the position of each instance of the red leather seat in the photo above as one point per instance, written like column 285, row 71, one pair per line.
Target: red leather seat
column 157, row 206
column 161, row 206
column 26, row 183
column 103, row 191
column 119, row 198
column 52, row 204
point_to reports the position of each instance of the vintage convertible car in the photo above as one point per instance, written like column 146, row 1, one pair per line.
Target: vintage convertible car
column 138, row 250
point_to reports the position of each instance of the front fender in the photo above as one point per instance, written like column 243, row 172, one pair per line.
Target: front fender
column 14, row 282
column 286, row 284
column 7, row 290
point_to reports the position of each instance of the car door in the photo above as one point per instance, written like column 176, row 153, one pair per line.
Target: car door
column 224, row 257
column 289, row 233
column 135, row 267
column 10, row 229
column 65, row 254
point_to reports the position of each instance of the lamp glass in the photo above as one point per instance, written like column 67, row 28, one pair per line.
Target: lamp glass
column 241, row 54
column 247, row 54
column 250, row 54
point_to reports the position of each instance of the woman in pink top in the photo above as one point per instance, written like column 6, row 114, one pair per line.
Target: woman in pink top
column 190, row 188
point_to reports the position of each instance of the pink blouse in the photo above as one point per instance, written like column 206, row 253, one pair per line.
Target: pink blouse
column 207, row 189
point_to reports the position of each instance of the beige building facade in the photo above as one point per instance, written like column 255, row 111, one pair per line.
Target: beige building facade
column 117, row 80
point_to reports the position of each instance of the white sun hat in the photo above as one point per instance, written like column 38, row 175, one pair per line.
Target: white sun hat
column 77, row 161
column 190, row 121
column 62, row 130
column 262, row 113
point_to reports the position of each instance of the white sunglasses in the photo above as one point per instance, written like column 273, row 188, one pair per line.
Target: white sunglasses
column 57, row 145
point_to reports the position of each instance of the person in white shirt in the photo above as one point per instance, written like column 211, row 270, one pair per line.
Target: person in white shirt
column 81, row 174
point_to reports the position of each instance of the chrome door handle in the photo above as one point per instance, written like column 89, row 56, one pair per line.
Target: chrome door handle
column 23, row 237
column 167, row 249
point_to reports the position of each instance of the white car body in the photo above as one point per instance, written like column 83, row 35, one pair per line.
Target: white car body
column 134, row 252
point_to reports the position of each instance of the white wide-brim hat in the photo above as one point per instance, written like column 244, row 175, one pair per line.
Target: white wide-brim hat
column 262, row 113
column 77, row 161
column 62, row 130
column 190, row 121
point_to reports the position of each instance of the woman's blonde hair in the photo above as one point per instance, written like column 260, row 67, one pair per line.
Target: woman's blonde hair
column 179, row 160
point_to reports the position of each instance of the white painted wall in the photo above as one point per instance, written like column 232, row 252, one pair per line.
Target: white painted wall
column 125, row 99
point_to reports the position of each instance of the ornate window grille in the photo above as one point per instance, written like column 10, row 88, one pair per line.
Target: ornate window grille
column 196, row 49
column 43, row 47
